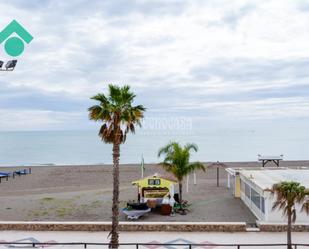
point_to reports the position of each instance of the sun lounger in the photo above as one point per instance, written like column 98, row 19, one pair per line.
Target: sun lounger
column 22, row 172
column 16, row 172
column 4, row 176
column 134, row 214
column 6, row 173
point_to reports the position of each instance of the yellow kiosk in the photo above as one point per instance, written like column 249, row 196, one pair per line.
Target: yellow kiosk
column 154, row 187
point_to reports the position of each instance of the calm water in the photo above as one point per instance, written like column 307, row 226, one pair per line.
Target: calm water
column 85, row 147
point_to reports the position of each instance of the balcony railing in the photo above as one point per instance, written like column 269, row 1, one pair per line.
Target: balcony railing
column 86, row 245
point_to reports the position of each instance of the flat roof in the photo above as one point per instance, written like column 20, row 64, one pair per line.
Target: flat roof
column 268, row 177
column 269, row 157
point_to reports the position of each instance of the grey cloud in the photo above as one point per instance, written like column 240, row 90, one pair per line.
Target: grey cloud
column 123, row 7
column 24, row 98
column 60, row 56
column 302, row 5
column 109, row 8
column 30, row 5
column 232, row 17
column 249, row 70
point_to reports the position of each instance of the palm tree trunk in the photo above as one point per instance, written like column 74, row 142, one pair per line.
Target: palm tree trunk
column 115, row 208
column 180, row 194
column 289, row 230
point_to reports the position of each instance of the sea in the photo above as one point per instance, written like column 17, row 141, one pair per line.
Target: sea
column 84, row 147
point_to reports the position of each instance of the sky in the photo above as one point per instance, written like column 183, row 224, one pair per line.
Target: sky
column 241, row 63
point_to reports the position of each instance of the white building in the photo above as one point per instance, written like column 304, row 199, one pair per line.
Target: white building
column 251, row 186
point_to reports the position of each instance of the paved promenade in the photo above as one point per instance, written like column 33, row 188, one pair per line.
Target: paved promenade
column 151, row 237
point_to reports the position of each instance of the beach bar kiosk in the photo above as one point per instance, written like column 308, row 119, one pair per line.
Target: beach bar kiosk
column 155, row 188
column 252, row 186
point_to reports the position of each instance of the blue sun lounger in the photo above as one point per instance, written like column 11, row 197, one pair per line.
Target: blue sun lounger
column 22, row 172
column 4, row 175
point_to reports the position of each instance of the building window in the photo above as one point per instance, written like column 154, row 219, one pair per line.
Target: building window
column 242, row 185
column 247, row 190
column 232, row 185
column 255, row 198
column 154, row 181
column 263, row 205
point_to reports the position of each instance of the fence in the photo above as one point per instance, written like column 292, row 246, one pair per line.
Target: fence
column 145, row 245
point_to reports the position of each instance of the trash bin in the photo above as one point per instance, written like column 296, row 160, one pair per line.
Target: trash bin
column 166, row 209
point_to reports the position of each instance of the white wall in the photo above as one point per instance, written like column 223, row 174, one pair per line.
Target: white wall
column 276, row 215
column 270, row 215
column 258, row 213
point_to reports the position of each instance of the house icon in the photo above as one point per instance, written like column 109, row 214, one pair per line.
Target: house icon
column 14, row 46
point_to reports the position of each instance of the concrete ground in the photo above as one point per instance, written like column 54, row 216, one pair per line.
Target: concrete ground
column 155, row 237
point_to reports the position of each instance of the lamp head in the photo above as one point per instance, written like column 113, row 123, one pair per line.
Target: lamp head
column 10, row 65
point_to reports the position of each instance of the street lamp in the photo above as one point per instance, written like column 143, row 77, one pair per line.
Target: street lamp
column 9, row 66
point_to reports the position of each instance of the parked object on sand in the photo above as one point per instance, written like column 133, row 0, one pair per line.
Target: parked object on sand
column 166, row 209
column 22, row 172
column 270, row 159
column 151, row 203
column 137, row 206
column 133, row 214
column 6, row 176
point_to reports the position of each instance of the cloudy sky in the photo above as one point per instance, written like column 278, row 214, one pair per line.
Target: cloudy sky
column 217, row 61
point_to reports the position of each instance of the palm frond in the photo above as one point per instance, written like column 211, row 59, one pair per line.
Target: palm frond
column 166, row 166
column 293, row 215
column 288, row 194
column 116, row 111
column 100, row 97
column 167, row 149
column 191, row 146
column 95, row 112
column 197, row 166
column 178, row 159
column 305, row 207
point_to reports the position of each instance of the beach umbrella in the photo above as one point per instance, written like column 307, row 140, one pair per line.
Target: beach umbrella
column 218, row 165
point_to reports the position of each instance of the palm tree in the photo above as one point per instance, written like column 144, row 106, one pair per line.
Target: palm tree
column 119, row 117
column 288, row 194
column 177, row 161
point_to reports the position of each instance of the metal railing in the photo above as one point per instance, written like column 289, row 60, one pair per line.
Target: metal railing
column 85, row 245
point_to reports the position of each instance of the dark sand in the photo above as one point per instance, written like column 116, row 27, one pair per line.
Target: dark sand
column 83, row 193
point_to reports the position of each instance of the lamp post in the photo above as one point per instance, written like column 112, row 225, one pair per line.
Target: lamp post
column 9, row 66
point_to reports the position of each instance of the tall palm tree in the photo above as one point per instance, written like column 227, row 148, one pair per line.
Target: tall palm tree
column 288, row 194
column 119, row 117
column 177, row 161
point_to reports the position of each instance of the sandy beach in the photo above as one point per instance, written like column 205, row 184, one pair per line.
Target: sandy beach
column 83, row 193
